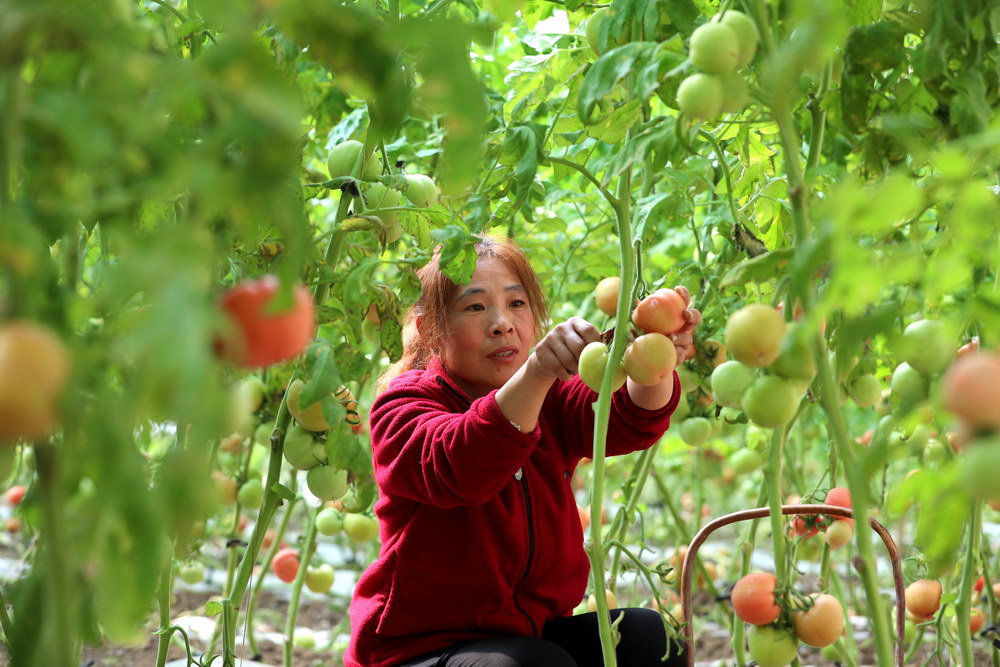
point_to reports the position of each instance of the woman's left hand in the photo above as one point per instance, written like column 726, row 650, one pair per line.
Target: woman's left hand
column 683, row 338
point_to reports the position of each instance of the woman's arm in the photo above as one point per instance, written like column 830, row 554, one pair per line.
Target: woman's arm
column 556, row 356
column 654, row 397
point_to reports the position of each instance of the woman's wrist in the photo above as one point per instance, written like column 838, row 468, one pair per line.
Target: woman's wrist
column 652, row 397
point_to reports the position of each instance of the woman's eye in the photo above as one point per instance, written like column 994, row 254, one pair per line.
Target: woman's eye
column 475, row 306
column 518, row 303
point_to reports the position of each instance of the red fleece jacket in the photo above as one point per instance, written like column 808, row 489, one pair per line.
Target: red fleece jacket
column 479, row 527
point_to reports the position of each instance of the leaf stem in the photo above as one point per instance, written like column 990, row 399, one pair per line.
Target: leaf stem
column 612, row 199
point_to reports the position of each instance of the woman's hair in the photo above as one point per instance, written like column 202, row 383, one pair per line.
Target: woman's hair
column 419, row 347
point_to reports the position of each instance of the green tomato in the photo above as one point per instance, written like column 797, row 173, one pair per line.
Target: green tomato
column 360, row 527
column 695, row 431
column 251, row 494
column 343, row 157
column 772, row 647
column 329, row 521
column 700, row 96
column 735, row 93
column 771, row 401
column 909, row 385
column 192, row 573
column 729, row 380
column 301, row 451
column 744, row 461
column 796, row 360
column 593, row 361
column 421, row 190
column 714, row 48
column 927, row 347
column 865, row 390
column 980, row 461
column 593, row 30
column 326, row 482
column 689, row 379
column 320, row 579
column 746, row 35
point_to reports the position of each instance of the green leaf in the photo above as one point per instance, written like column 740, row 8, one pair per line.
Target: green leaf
column 760, row 269
column 283, row 492
column 522, row 149
column 390, row 337
column 322, row 377
column 970, row 107
column 874, row 48
column 213, row 608
column 604, row 75
column 458, row 254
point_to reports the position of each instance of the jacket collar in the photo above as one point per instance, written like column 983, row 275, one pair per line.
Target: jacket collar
column 435, row 367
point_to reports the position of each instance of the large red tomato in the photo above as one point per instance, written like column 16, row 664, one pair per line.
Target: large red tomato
column 260, row 337
column 972, row 389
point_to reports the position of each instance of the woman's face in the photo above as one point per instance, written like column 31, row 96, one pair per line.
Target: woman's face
column 491, row 329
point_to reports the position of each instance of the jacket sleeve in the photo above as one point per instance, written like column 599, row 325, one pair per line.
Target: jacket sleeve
column 426, row 453
column 630, row 428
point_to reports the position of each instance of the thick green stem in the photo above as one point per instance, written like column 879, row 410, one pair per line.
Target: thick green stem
column 267, row 510
column 857, row 481
column 300, row 577
column 61, row 643
column 265, row 565
column 10, row 131
column 5, row 622
column 962, row 607
column 163, row 602
column 602, row 412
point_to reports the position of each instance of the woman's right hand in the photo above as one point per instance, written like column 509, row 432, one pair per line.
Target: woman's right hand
column 557, row 355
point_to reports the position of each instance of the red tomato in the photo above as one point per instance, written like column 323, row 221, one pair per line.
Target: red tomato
column 260, row 337
column 978, row 586
column 805, row 526
column 822, row 624
column 923, row 598
column 753, row 599
column 972, row 389
column 286, row 564
column 840, row 497
column 15, row 495
column 660, row 312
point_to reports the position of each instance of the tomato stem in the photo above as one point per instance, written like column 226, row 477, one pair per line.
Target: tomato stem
column 300, row 577
column 962, row 607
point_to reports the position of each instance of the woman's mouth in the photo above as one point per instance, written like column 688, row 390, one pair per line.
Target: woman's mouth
column 503, row 353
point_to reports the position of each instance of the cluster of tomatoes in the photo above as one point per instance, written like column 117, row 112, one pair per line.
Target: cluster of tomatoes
column 650, row 357
column 379, row 200
column 780, row 619
column 718, row 49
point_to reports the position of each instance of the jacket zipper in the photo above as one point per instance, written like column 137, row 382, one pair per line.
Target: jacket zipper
column 527, row 512
column 531, row 549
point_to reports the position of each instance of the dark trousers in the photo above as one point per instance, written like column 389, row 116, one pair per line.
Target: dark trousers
column 566, row 642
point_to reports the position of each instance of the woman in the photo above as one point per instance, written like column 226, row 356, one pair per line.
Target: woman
column 475, row 440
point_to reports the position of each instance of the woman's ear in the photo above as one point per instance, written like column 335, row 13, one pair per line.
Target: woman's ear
column 418, row 322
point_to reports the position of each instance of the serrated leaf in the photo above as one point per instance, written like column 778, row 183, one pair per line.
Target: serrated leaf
column 874, row 48
column 390, row 337
column 458, row 254
column 322, row 376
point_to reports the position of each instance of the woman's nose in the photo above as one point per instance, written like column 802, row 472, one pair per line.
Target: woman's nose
column 501, row 326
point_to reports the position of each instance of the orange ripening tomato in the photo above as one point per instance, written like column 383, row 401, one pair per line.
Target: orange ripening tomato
column 35, row 368
column 661, row 312
column 822, row 624
column 840, row 497
column 286, row 565
column 972, row 389
column 923, row 598
column 259, row 337
column 15, row 494
column 753, row 599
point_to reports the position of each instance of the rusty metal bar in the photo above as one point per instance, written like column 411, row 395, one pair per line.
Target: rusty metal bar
column 687, row 569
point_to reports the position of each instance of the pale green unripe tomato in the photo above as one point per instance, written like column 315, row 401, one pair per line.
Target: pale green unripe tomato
column 715, row 48
column 734, row 93
column 343, row 156
column 700, row 96
column 421, row 190
column 746, row 35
